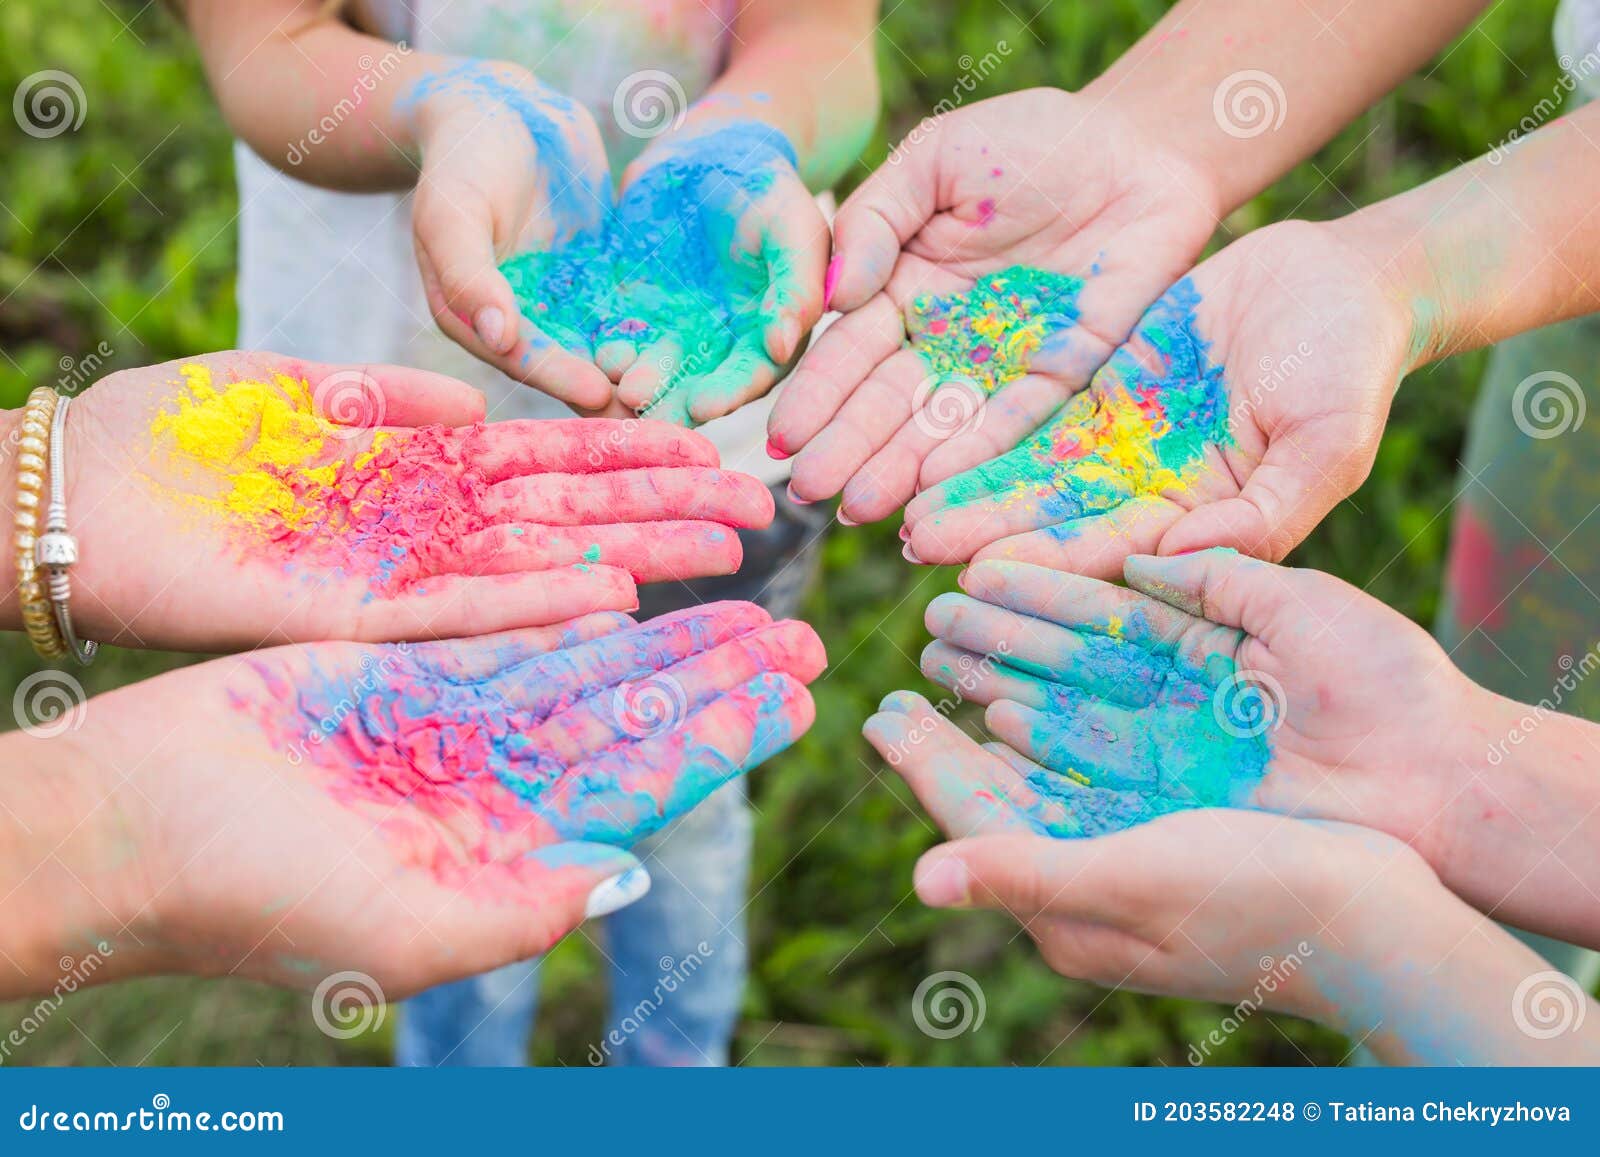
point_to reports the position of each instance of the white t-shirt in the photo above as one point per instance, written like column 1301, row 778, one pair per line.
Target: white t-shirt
column 331, row 276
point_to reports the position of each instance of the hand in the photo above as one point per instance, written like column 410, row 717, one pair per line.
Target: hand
column 418, row 812
column 509, row 166
column 1238, row 415
column 704, row 282
column 1041, row 179
column 216, row 506
column 1222, row 681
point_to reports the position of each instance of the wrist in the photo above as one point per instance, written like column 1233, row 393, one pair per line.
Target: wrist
column 77, row 848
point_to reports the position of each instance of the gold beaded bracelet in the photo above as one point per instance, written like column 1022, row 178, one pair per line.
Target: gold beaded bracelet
column 33, row 466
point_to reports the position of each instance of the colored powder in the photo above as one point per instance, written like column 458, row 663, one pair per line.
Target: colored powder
column 268, row 465
column 450, row 761
column 666, row 263
column 989, row 335
column 1137, row 431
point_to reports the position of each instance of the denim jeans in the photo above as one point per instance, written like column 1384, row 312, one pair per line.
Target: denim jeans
column 676, row 957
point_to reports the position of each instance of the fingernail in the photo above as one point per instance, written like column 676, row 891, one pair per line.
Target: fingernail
column 775, row 452
column 830, row 280
column 844, row 519
column 899, row 702
column 942, row 880
column 961, row 579
column 910, row 555
column 491, row 326
column 616, row 893
column 795, row 498
column 905, row 533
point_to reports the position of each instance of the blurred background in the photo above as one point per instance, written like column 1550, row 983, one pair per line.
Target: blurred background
column 117, row 249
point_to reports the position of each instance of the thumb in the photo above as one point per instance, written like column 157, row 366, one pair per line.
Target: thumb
column 1282, row 501
column 888, row 210
column 455, row 241
column 1221, row 586
column 1022, row 875
column 573, row 882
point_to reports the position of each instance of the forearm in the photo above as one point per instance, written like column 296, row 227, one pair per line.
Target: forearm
column 1504, row 244
column 311, row 95
column 1245, row 91
column 72, row 909
column 808, row 70
column 1421, row 978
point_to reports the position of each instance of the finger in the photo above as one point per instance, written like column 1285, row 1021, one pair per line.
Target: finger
column 615, row 357
column 631, row 790
column 1284, row 497
column 1075, row 602
column 745, row 375
column 1014, row 412
column 648, row 378
column 644, row 495
column 553, row 683
column 963, row 788
column 455, row 239
column 980, row 678
column 454, row 605
column 581, row 446
column 865, row 423
column 1096, row 880
column 650, row 705
column 468, row 660
column 795, row 246
column 886, row 211
column 1015, row 760
column 1095, row 546
column 538, row 360
column 888, row 480
column 372, row 396
column 1235, row 590
column 650, row 551
column 836, row 363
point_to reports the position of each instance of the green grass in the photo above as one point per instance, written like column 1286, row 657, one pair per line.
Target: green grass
column 123, row 232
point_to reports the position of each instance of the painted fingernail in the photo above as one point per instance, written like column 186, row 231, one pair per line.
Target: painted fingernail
column 830, row 280
column 796, row 499
column 942, row 880
column 617, row 892
column 905, row 533
column 844, row 519
column 490, row 325
column 910, row 555
column 961, row 579
column 776, row 452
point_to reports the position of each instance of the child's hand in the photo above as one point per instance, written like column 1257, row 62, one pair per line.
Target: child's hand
column 509, row 166
column 722, row 223
column 1040, row 179
column 422, row 812
column 1240, row 413
column 1220, row 680
column 216, row 505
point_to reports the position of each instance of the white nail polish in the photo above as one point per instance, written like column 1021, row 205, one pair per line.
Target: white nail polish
column 617, row 892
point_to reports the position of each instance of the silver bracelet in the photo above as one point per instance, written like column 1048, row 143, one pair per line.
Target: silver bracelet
column 56, row 550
